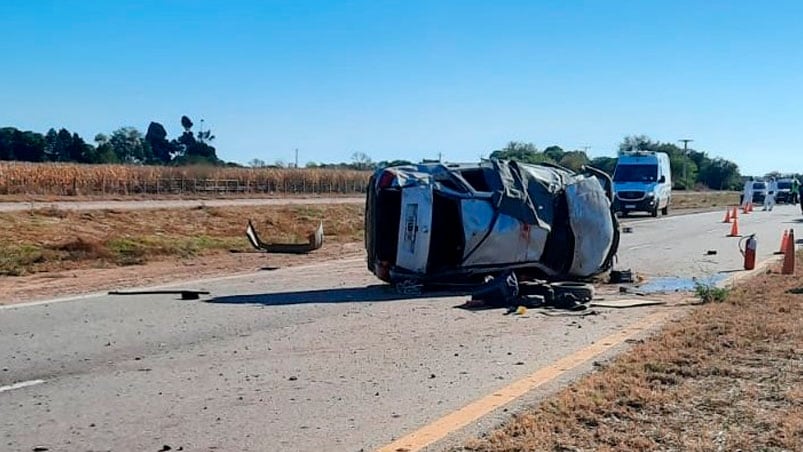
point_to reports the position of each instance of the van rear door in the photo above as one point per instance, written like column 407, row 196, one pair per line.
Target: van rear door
column 415, row 228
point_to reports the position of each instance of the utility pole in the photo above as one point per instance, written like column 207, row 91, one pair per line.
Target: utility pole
column 296, row 158
column 685, row 142
column 440, row 157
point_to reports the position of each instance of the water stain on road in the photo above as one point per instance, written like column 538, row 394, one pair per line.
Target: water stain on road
column 676, row 284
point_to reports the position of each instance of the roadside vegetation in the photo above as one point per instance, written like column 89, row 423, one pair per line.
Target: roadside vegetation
column 728, row 376
column 50, row 239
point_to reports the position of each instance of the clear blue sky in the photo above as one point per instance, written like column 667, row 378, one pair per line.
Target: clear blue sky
column 409, row 79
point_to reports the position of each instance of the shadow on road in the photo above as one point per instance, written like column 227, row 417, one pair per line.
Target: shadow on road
column 368, row 294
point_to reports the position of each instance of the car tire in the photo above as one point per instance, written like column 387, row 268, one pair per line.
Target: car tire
column 580, row 291
column 654, row 212
column 665, row 210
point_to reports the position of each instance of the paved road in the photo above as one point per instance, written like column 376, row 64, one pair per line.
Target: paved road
column 312, row 358
column 174, row 203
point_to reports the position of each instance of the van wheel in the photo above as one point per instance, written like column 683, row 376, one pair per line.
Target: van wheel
column 665, row 210
column 654, row 212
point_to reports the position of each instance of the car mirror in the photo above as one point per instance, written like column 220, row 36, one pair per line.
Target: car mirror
column 662, row 179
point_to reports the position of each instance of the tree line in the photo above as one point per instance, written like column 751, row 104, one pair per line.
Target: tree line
column 690, row 168
column 124, row 145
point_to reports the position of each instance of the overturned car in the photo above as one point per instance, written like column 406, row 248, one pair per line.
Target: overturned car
column 451, row 223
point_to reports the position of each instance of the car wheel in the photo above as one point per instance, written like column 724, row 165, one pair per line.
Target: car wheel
column 580, row 291
column 654, row 212
column 665, row 210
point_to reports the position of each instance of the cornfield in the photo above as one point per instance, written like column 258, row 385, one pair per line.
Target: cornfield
column 18, row 178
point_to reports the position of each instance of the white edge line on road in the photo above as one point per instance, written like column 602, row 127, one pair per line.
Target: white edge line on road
column 173, row 284
column 21, row 385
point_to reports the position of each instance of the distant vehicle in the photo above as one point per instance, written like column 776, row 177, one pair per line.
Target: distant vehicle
column 759, row 192
column 447, row 223
column 784, row 194
column 642, row 182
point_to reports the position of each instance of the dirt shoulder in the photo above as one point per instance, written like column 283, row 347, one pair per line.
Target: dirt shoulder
column 47, row 285
column 729, row 376
column 53, row 252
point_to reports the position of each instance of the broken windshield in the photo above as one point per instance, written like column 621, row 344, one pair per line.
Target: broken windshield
column 636, row 173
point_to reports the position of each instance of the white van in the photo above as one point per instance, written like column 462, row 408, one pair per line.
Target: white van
column 642, row 182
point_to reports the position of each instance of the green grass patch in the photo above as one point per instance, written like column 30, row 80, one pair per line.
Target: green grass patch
column 17, row 260
column 708, row 293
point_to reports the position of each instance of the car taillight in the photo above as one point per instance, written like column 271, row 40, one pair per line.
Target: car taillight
column 386, row 179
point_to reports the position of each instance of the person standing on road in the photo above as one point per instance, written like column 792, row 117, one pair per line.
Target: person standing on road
column 747, row 197
column 795, row 190
column 772, row 189
column 800, row 195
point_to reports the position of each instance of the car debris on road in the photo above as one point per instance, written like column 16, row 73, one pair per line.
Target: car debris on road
column 315, row 242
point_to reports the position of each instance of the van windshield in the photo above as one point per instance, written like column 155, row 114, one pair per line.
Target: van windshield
column 636, row 173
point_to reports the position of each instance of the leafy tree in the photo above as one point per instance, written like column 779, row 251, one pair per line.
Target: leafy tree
column 192, row 150
column 554, row 153
column 129, row 146
column 681, row 165
column 103, row 151
column 721, row 174
column 521, row 152
column 162, row 149
column 257, row 163
column 63, row 146
column 361, row 161
column 637, row 143
column 607, row 164
column 573, row 160
column 79, row 151
column 21, row 145
column 186, row 123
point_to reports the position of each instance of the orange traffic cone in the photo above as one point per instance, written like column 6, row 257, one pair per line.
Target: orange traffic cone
column 749, row 206
column 746, row 209
column 727, row 216
column 789, row 255
column 784, row 239
column 734, row 228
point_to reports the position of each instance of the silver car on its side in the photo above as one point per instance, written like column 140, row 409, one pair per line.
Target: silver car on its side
column 460, row 222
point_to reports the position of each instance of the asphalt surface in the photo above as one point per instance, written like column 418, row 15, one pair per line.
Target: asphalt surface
column 175, row 203
column 312, row 358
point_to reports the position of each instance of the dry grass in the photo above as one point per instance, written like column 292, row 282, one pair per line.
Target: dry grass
column 729, row 376
column 703, row 199
column 52, row 239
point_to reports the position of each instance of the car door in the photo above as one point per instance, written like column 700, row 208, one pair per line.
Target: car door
column 415, row 228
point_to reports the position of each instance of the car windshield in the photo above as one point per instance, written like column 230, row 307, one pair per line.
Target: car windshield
column 759, row 185
column 636, row 173
column 784, row 185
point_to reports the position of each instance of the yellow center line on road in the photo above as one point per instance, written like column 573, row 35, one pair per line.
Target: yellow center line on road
column 456, row 420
